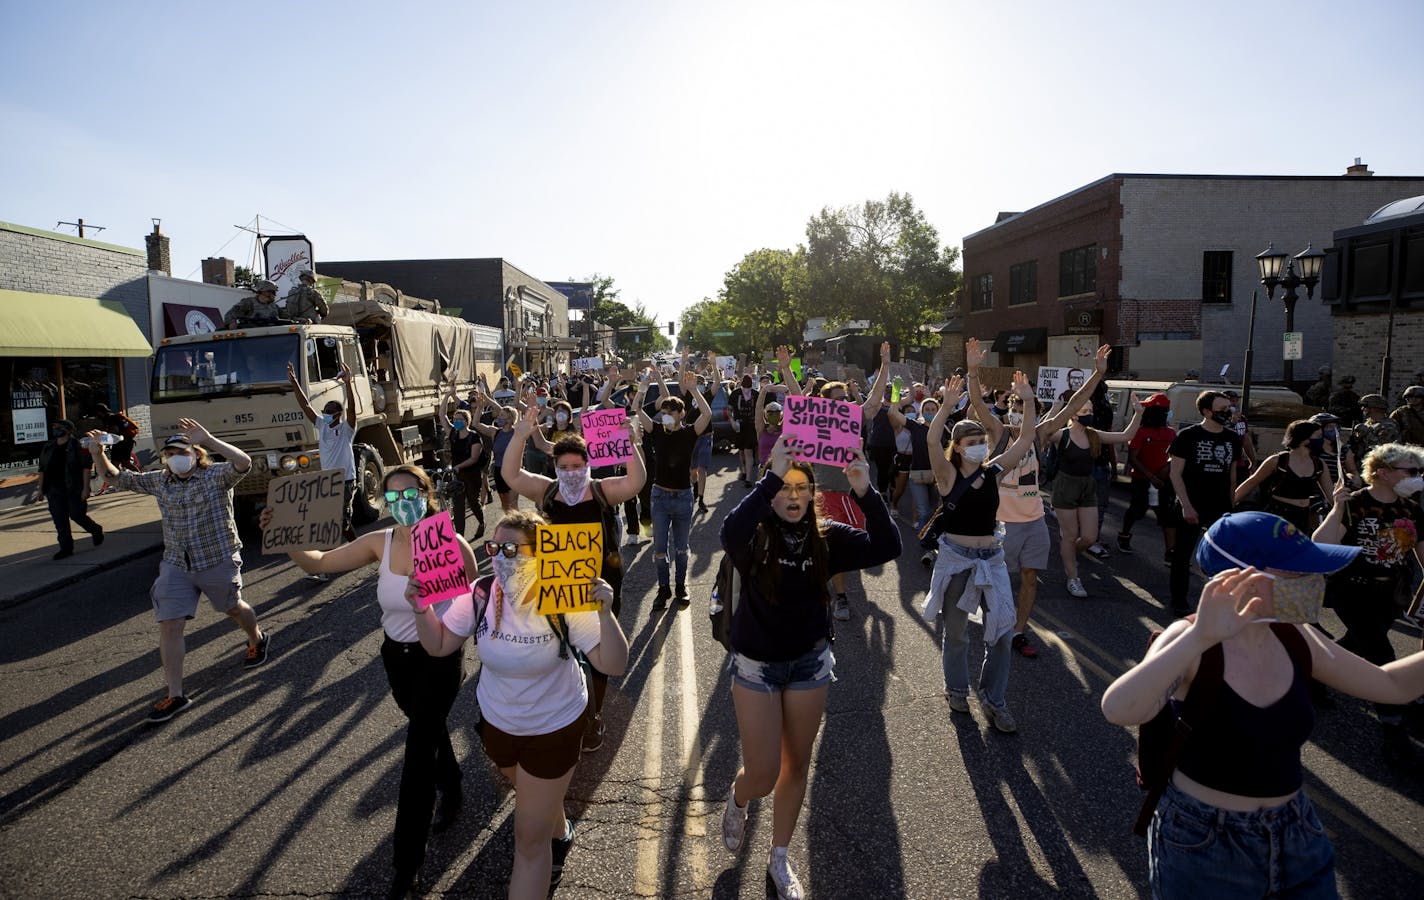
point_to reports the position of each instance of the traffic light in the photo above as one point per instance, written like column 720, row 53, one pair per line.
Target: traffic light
column 670, row 327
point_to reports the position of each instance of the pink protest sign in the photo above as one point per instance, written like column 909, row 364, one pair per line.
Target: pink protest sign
column 822, row 431
column 439, row 565
column 607, row 438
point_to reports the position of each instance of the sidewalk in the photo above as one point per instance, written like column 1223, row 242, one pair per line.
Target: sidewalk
column 131, row 529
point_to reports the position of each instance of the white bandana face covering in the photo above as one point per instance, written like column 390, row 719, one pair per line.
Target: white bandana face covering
column 572, row 484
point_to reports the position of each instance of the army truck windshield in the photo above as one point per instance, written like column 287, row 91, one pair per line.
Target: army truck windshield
column 224, row 368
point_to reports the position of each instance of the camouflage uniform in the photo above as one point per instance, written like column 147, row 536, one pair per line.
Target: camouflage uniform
column 249, row 310
column 1369, row 435
column 1318, row 394
column 1410, row 423
column 305, row 302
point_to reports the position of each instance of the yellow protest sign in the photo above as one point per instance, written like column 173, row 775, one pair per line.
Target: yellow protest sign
column 569, row 559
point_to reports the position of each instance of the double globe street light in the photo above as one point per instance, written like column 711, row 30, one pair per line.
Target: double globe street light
column 1271, row 262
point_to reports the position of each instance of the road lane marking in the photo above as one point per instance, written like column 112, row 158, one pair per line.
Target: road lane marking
column 695, row 821
column 647, row 883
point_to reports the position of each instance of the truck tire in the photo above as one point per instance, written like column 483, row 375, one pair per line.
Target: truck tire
column 365, row 506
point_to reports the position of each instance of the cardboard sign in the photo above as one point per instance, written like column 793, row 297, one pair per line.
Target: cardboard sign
column 570, row 557
column 588, row 364
column 306, row 511
column 606, row 434
column 821, row 430
column 1054, row 380
column 437, row 560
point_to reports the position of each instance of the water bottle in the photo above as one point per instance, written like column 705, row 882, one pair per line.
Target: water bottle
column 716, row 606
column 108, row 440
column 1153, row 495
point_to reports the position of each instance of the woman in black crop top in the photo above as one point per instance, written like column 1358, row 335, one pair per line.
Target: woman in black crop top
column 1232, row 820
column 968, row 546
column 1294, row 477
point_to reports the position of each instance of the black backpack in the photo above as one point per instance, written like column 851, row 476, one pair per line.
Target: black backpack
column 727, row 589
column 1160, row 740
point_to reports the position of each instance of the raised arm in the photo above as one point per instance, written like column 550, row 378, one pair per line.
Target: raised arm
column 201, row 437
column 643, row 421
column 301, row 396
column 704, row 415
column 973, row 359
column 1014, row 453
column 511, row 469
column 871, row 405
column 1126, row 435
column 349, row 389
column 788, row 377
column 939, row 462
column 622, row 488
column 1332, row 529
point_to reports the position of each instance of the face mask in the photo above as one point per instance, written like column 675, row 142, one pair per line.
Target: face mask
column 459, row 425
column 562, row 418
column 1408, row 487
column 180, row 464
column 669, row 420
column 500, row 423
column 1222, row 418
column 1232, row 410
column 1298, row 600
column 1316, row 445
column 328, row 418
column 408, row 512
column 572, row 484
column 1085, row 420
column 919, row 395
column 977, row 453
column 543, row 401
column 928, row 413
column 1015, row 419
column 1332, row 434
column 773, row 418
column 516, row 576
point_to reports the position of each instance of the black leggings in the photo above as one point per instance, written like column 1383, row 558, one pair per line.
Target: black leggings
column 883, row 458
column 1367, row 609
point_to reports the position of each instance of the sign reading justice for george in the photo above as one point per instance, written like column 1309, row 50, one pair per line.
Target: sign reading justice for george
column 306, row 511
column 606, row 434
column 821, row 430
column 570, row 557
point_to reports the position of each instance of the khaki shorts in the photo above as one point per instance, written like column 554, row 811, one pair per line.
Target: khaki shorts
column 1026, row 545
column 1074, row 492
column 547, row 756
column 175, row 592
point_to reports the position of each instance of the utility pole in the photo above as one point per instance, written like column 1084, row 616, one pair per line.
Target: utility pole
column 81, row 226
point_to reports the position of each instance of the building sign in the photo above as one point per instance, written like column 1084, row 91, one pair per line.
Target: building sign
column 28, row 411
column 286, row 257
column 580, row 293
column 180, row 319
column 1083, row 321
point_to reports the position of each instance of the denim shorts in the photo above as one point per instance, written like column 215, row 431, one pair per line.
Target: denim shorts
column 702, row 451
column 1197, row 850
column 812, row 669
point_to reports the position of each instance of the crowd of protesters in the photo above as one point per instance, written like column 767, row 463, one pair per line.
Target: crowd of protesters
column 964, row 475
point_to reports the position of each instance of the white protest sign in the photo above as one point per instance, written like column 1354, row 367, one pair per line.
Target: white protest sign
column 588, row 364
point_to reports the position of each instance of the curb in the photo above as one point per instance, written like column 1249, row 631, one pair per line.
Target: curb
column 17, row 599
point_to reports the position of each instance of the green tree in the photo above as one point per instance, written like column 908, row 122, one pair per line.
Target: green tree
column 708, row 325
column 766, row 297
column 611, row 312
column 243, row 277
column 881, row 261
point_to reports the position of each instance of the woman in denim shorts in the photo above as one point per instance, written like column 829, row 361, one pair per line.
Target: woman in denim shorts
column 1233, row 820
column 781, row 655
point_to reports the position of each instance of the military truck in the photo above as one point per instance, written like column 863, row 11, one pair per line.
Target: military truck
column 235, row 383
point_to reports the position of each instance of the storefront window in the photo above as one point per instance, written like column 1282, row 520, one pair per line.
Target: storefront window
column 34, row 404
column 87, row 383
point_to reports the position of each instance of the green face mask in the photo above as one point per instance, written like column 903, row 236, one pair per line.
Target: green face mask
column 408, row 512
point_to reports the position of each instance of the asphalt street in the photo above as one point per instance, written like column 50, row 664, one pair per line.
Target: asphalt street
column 281, row 782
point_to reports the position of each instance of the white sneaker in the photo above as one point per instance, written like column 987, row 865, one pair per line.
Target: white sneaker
column 632, row 541
column 1075, row 587
column 783, row 877
column 999, row 715
column 734, row 820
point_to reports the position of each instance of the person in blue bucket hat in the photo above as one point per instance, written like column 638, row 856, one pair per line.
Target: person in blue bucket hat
column 1233, row 820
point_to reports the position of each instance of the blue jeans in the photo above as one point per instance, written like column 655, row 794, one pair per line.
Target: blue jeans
column 1196, row 850
column 994, row 676
column 672, row 514
column 920, row 502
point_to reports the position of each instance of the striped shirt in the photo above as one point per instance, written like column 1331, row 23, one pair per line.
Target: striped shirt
column 199, row 531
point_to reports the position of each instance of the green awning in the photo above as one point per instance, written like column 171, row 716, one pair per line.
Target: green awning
column 56, row 325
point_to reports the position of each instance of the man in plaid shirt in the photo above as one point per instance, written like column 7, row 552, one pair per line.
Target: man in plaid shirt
column 201, row 549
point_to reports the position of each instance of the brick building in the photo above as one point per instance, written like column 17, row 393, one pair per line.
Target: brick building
column 533, row 316
column 73, row 334
column 1162, row 268
column 1373, row 283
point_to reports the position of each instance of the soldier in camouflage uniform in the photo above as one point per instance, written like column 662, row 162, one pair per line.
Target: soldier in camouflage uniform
column 1377, row 429
column 1410, row 416
column 305, row 302
column 260, row 309
column 1345, row 403
column 1318, row 394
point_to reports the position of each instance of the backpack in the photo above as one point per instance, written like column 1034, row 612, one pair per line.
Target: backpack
column 727, row 589
column 1052, row 457
column 1160, row 740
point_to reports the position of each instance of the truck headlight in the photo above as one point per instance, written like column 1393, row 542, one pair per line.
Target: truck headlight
column 289, row 463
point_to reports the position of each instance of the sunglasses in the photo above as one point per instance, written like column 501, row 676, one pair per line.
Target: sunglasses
column 509, row 548
column 1411, row 471
column 795, row 490
column 408, row 494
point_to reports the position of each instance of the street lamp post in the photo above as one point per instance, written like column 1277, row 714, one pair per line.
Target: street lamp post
column 1270, row 262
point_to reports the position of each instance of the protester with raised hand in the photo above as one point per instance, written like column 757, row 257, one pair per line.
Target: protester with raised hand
column 531, row 689
column 202, row 553
column 1233, row 819
column 500, row 432
column 781, row 659
column 969, row 572
column 424, row 686
column 335, row 436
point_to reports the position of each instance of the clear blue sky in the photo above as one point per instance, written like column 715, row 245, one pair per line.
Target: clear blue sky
column 658, row 142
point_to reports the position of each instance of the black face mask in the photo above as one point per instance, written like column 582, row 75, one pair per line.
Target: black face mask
column 1222, row 418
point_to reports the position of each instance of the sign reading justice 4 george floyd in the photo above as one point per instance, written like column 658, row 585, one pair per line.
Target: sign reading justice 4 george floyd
column 820, row 430
column 306, row 511
column 569, row 558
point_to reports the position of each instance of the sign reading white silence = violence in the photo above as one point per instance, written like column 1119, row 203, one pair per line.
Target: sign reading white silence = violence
column 824, row 431
column 306, row 511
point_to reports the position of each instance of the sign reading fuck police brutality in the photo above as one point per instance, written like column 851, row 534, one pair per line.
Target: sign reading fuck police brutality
column 436, row 560
column 306, row 511
column 569, row 559
column 606, row 434
column 821, row 430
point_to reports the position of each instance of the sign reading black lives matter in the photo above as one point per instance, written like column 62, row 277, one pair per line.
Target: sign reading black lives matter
column 306, row 511
column 821, row 430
